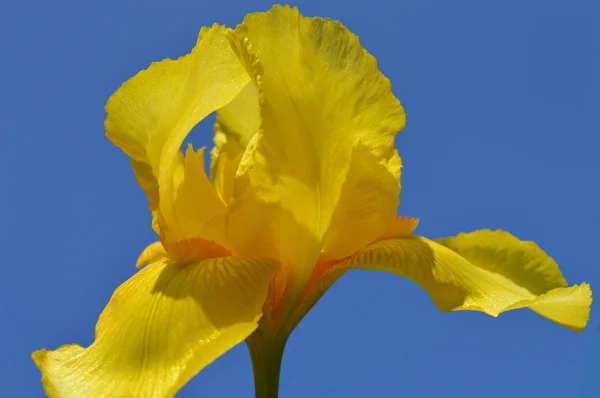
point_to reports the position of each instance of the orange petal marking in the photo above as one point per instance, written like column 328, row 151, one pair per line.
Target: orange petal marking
column 320, row 269
column 402, row 226
column 195, row 249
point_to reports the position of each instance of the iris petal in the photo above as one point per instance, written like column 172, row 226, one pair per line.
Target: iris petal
column 160, row 328
column 321, row 177
column 151, row 114
column 488, row 271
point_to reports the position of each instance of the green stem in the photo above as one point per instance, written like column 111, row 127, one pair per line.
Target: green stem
column 266, row 353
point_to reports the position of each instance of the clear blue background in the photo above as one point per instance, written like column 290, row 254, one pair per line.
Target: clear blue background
column 502, row 101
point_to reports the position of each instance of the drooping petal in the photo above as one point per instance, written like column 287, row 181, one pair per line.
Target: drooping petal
column 151, row 114
column 236, row 123
column 322, row 174
column 160, row 328
column 523, row 262
column 488, row 271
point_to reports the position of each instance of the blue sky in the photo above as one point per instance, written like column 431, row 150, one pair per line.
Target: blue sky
column 502, row 132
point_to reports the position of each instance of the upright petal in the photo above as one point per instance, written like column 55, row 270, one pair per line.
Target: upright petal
column 151, row 114
column 488, row 271
column 322, row 174
column 160, row 328
column 196, row 209
column 237, row 122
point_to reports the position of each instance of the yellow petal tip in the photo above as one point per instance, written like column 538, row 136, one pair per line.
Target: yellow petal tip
column 151, row 253
column 38, row 357
column 568, row 306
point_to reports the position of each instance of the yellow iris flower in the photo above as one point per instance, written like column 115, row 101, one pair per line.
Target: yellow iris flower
column 305, row 182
